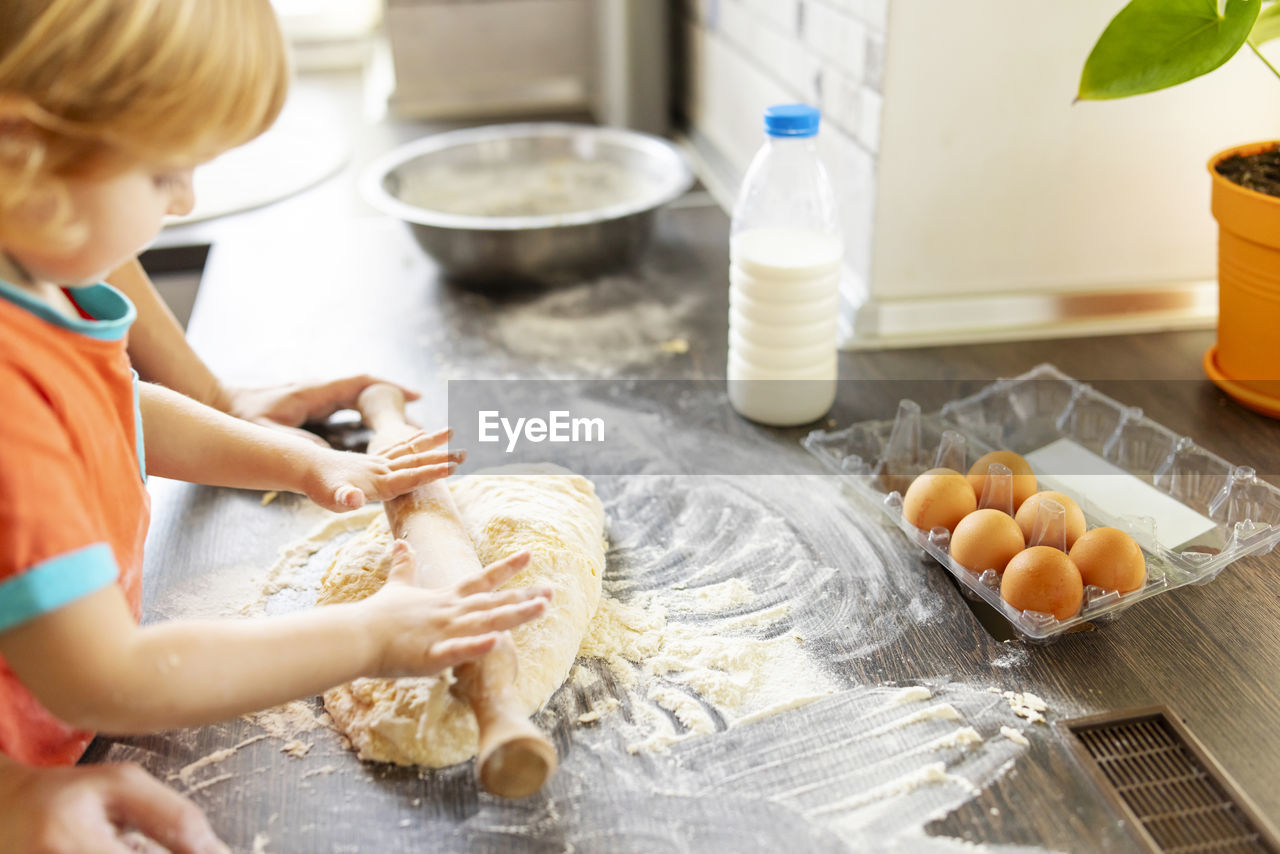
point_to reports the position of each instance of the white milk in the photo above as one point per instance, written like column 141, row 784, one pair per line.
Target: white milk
column 784, row 300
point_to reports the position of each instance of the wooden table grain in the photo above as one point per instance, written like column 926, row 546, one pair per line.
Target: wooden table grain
column 357, row 295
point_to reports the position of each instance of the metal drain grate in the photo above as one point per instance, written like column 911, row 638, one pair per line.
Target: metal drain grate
column 1171, row 788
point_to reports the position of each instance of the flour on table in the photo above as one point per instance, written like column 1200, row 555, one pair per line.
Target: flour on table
column 560, row 521
column 187, row 773
column 1027, row 706
column 297, row 748
column 697, row 671
column 323, row 770
column 603, row 327
column 288, row 721
column 932, row 774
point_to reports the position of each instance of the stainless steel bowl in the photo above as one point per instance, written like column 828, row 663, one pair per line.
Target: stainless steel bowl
column 519, row 244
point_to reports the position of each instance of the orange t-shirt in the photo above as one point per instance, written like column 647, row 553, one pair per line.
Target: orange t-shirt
column 73, row 501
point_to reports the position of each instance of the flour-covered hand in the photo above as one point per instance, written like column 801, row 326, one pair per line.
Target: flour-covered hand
column 340, row 480
column 429, row 630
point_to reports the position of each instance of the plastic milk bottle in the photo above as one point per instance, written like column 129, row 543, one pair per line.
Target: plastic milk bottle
column 784, row 275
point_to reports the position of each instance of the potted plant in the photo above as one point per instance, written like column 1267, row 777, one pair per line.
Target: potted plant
column 1155, row 44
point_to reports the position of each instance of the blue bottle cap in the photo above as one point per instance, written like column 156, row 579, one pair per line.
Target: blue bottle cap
column 791, row 120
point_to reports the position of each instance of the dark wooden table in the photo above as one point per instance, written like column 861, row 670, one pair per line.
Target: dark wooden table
column 357, row 295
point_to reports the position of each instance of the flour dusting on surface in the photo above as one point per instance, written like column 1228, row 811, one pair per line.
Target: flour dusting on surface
column 288, row 721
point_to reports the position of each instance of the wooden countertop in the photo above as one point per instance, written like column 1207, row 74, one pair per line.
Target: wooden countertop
column 348, row 295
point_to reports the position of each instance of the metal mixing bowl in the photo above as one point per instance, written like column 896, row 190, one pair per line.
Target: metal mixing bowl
column 516, row 244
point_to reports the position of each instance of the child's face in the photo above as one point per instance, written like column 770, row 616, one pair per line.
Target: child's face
column 121, row 215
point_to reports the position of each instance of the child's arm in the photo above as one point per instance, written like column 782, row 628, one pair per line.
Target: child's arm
column 161, row 353
column 91, row 666
column 68, row 810
column 186, row 440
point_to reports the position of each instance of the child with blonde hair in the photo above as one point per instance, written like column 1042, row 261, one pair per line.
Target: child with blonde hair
column 105, row 108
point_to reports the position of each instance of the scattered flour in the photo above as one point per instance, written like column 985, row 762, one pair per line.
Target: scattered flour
column 939, row 712
column 1027, row 706
column 914, row 694
column 1014, row 736
column 602, row 707
column 297, row 749
column 287, row 722
column 188, row 772
column 322, row 770
column 959, row 737
column 1010, row 656
column 212, row 781
column 605, row 327
column 932, row 774
column 684, row 668
column 713, row 598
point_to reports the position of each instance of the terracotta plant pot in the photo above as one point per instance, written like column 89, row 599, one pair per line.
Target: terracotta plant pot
column 1245, row 362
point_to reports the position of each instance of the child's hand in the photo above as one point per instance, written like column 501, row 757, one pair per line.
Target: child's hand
column 70, row 810
column 341, row 480
column 426, row 631
column 287, row 407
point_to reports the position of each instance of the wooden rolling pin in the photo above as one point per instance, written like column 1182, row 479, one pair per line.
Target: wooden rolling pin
column 515, row 758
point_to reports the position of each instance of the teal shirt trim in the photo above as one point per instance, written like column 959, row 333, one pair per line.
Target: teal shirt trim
column 112, row 311
column 56, row 582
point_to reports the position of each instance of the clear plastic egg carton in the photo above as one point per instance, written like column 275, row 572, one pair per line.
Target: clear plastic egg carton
column 1190, row 511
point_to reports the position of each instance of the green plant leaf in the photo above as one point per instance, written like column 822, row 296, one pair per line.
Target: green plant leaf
column 1267, row 27
column 1155, row 44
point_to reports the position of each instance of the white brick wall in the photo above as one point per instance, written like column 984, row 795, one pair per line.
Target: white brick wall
column 836, row 36
column 744, row 55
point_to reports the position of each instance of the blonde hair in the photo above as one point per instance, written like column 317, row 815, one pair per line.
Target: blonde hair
column 90, row 87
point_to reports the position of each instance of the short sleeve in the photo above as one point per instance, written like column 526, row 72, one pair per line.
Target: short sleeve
column 52, row 548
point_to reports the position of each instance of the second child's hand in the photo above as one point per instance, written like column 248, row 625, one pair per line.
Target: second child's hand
column 289, row 406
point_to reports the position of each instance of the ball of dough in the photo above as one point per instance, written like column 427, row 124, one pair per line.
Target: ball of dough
column 1110, row 559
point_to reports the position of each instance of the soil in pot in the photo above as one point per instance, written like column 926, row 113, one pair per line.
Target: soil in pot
column 1259, row 172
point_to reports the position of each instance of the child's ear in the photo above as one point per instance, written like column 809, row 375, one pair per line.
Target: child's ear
column 20, row 135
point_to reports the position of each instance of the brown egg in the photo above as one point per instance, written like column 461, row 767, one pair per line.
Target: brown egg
column 938, row 498
column 1043, row 579
column 986, row 539
column 1024, row 479
column 1110, row 559
column 1026, row 517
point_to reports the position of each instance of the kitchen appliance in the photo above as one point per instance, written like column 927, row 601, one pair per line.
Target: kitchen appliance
column 508, row 58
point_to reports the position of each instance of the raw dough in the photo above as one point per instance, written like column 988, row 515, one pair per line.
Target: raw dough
column 559, row 519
